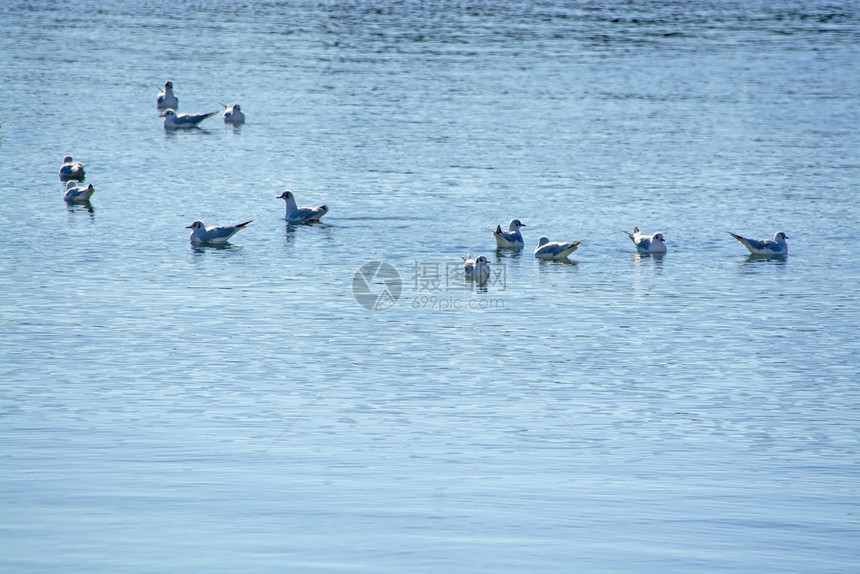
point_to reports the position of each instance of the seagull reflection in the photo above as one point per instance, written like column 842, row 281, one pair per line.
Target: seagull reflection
column 199, row 248
column 72, row 207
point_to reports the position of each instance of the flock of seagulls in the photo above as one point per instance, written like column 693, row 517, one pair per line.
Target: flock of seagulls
column 478, row 269
column 72, row 173
column 167, row 101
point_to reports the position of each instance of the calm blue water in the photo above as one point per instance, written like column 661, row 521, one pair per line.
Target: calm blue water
column 170, row 409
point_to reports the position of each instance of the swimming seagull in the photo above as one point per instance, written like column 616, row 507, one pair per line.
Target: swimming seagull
column 765, row 246
column 468, row 265
column 234, row 115
column 481, row 272
column 174, row 121
column 166, row 98
column 213, row 235
column 511, row 239
column 71, row 170
column 297, row 214
column 647, row 243
column 77, row 193
column 548, row 250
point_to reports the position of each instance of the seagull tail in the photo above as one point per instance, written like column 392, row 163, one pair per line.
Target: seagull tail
column 241, row 225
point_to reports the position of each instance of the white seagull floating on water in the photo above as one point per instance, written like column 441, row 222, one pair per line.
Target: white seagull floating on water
column 174, row 121
column 647, row 243
column 166, row 98
column 481, row 270
column 234, row 115
column 77, row 193
column 765, row 246
column 72, row 170
column 511, row 239
column 548, row 250
column 213, row 235
column 297, row 214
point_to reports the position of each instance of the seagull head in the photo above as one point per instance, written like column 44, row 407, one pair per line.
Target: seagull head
column 286, row 196
column 780, row 236
column 658, row 237
column 237, row 108
column 543, row 240
column 196, row 225
column 168, row 113
column 515, row 225
column 67, row 159
column 482, row 260
column 168, row 85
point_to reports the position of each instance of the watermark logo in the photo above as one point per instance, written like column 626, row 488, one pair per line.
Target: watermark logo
column 377, row 286
column 441, row 286
column 436, row 277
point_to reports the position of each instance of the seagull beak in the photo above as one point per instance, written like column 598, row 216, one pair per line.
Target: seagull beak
column 188, row 226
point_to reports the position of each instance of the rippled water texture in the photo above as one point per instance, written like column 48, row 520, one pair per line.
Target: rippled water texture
column 236, row 409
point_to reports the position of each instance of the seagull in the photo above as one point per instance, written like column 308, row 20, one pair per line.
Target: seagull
column 166, row 98
column 72, row 170
column 647, row 243
column 468, row 265
column 548, row 250
column 174, row 121
column 77, row 193
column 234, row 115
column 765, row 246
column 481, row 272
column 511, row 239
column 297, row 214
column 213, row 235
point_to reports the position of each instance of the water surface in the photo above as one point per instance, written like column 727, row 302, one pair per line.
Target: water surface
column 167, row 408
